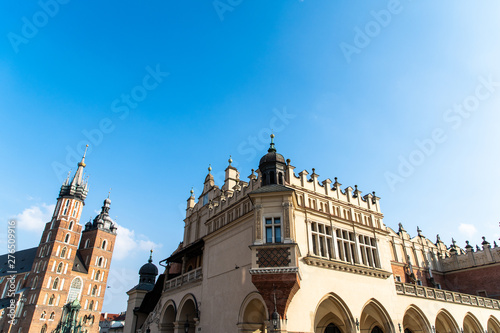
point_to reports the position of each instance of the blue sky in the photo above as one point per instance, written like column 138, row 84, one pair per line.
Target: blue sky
column 400, row 98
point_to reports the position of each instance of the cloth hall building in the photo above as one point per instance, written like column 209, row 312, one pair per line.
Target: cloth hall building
column 286, row 252
column 59, row 285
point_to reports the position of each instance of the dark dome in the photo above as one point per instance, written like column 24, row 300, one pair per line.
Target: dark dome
column 272, row 156
column 148, row 269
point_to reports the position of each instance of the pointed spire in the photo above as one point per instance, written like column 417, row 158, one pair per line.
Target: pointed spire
column 272, row 148
column 77, row 179
column 150, row 256
column 230, row 160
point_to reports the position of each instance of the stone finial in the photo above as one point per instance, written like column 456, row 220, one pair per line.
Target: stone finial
column 477, row 248
column 468, row 246
column 288, row 161
column 485, row 242
column 209, row 168
column 419, row 232
column 230, row 160
column 192, row 191
column 401, row 227
column 438, row 239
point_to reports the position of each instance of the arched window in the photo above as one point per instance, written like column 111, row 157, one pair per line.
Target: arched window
column 56, row 283
column 59, row 267
column 44, row 328
column 99, row 262
column 91, row 305
column 280, row 178
column 70, row 225
column 66, row 207
column 42, row 251
column 272, row 179
column 43, row 315
column 51, row 299
column 75, row 289
column 66, row 239
column 87, row 243
column 377, row 329
column 52, row 316
column 48, row 237
column 94, row 290
column 85, row 319
column 63, row 252
column 34, row 283
column 97, row 275
column 104, row 243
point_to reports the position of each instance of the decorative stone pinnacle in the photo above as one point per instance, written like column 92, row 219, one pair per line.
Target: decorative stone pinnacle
column 209, row 168
column 272, row 148
column 192, row 191
column 150, row 256
column 230, row 160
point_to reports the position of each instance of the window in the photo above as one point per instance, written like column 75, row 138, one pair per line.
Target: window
column 66, row 239
column 398, row 278
column 99, row 262
column 70, row 225
column 66, row 207
column 205, row 199
column 104, row 243
column 51, row 299
column 56, row 283
column 419, row 282
column 48, row 237
column 59, row 267
column 44, row 328
column 74, row 213
column 74, row 289
column 52, row 316
column 34, row 283
column 42, row 317
column 87, row 243
column 91, row 305
column 322, row 240
column 368, row 249
column 63, row 252
column 94, row 290
column 273, row 230
column 97, row 275
column 347, row 246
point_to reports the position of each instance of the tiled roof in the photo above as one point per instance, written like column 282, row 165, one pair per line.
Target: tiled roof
column 23, row 261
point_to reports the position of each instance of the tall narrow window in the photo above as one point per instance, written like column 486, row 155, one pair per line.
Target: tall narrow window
column 97, row 275
column 66, row 207
column 75, row 210
column 63, row 252
column 66, row 239
column 59, row 267
column 368, row 249
column 94, row 290
column 91, row 305
column 87, row 243
column 55, row 284
column 104, row 243
column 322, row 240
column 48, row 237
column 347, row 246
column 273, row 230
column 51, row 299
column 70, row 225
column 75, row 289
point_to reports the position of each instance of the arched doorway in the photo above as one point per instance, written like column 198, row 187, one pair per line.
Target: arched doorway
column 375, row 319
column 471, row 324
column 188, row 312
column 332, row 315
column 168, row 318
column 493, row 325
column 414, row 321
column 331, row 328
column 253, row 314
column 445, row 323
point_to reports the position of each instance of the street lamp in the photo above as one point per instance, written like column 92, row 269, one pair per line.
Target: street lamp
column 357, row 324
column 275, row 319
column 186, row 326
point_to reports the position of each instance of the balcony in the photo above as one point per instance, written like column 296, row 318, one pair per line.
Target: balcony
column 408, row 289
column 191, row 276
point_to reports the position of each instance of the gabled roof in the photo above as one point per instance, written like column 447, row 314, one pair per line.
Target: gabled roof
column 23, row 262
column 78, row 265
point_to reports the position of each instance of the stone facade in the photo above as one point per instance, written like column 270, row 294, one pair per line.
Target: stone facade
column 289, row 253
column 70, row 265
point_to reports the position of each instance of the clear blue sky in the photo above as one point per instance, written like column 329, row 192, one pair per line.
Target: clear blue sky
column 162, row 89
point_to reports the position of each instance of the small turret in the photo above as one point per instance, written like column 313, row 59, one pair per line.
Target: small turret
column 272, row 166
column 147, row 274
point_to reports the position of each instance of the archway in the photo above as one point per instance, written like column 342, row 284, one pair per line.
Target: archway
column 374, row 318
column 445, row 323
column 253, row 314
column 493, row 325
column 414, row 321
column 471, row 324
column 188, row 311
column 168, row 318
column 333, row 315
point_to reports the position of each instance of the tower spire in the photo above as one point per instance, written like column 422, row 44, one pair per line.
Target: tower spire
column 77, row 179
column 150, row 256
column 272, row 148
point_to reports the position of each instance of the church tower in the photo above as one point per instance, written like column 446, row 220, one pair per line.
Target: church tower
column 272, row 166
column 70, row 266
